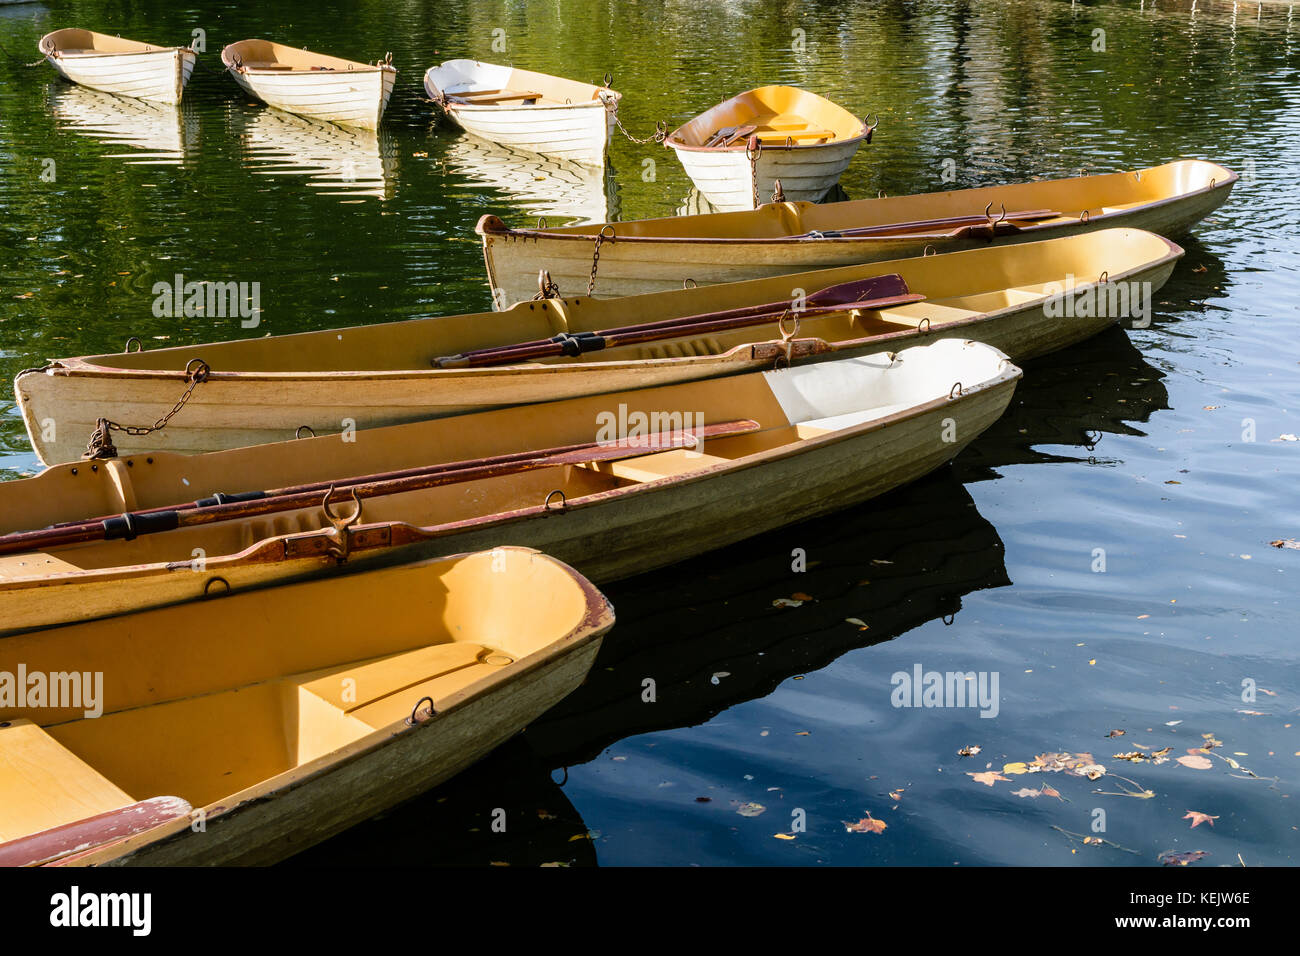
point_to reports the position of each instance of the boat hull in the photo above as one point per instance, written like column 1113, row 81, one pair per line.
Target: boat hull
column 608, row 534
column 158, row 76
column 62, row 405
column 806, row 173
column 346, row 97
column 579, row 133
column 633, row 265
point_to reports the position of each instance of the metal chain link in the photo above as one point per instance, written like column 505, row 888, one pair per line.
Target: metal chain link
column 595, row 256
column 101, row 444
column 754, row 149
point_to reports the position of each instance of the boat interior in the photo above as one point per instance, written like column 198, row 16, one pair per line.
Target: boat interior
column 1109, row 193
column 470, row 83
column 957, row 286
column 267, row 56
column 790, row 406
column 779, row 116
column 224, row 709
column 73, row 42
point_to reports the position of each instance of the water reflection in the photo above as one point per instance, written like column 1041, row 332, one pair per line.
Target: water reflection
column 452, row 825
column 891, row 565
column 157, row 134
column 336, row 160
column 542, row 186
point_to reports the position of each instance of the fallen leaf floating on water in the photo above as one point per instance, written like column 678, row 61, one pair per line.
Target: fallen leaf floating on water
column 1198, row 818
column 1015, row 768
column 867, row 824
column 784, row 836
column 786, row 602
column 1211, row 741
column 968, row 751
column 1196, row 763
column 800, row 596
column 750, row 809
column 1026, row 792
column 857, row 622
column 896, row 795
column 1286, row 437
column 1286, row 543
column 987, row 777
column 1077, row 765
column 1116, row 733
column 1170, row 858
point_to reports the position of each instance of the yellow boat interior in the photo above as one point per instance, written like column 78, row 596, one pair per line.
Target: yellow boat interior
column 826, row 397
column 72, row 42
column 958, row 286
column 205, row 702
column 779, row 116
column 1099, row 195
column 267, row 56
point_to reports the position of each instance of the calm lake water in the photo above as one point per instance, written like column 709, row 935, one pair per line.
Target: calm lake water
column 1136, row 443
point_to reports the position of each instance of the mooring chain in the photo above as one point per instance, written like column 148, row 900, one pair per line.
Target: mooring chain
column 547, row 287
column 595, row 256
column 754, row 149
column 611, row 106
column 101, row 442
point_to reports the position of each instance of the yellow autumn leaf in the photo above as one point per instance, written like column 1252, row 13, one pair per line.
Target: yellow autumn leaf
column 1017, row 767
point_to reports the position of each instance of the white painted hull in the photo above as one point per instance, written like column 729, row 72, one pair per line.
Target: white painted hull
column 580, row 134
column 159, row 76
column 347, row 97
column 806, row 173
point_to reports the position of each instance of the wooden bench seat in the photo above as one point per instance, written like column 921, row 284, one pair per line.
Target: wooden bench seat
column 43, row 784
column 492, row 97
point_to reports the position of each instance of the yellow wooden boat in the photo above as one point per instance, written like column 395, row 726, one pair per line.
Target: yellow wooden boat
column 617, row 484
column 117, row 65
column 262, row 390
column 736, row 151
column 311, row 84
column 273, row 719
column 653, row 255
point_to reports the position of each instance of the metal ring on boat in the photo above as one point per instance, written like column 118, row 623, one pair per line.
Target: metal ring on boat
column 955, row 391
column 948, row 619
column 298, row 433
column 127, row 348
column 1104, row 277
column 541, row 222
column 693, row 284
column 881, row 194
column 1138, row 175
column 929, row 250
column 211, row 581
column 608, row 81
column 1089, row 442
column 925, row 320
column 1083, row 217
column 416, row 709
column 564, row 501
column 197, row 370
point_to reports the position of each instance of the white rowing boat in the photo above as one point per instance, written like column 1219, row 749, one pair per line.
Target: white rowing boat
column 145, row 71
column 526, row 110
column 736, row 151
column 310, row 84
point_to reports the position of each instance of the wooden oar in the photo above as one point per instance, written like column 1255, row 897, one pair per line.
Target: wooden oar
column 877, row 292
column 927, row 225
column 254, row 504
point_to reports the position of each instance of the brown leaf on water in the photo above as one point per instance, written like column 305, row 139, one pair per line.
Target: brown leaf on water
column 988, row 777
column 1117, row 733
column 784, row 836
column 1136, row 756
column 1286, row 543
column 800, row 596
column 1170, row 858
column 867, row 824
column 1201, row 268
column 750, row 809
column 896, row 795
column 1196, row 762
column 1027, row 792
column 1198, row 818
column 1211, row 741
column 968, row 751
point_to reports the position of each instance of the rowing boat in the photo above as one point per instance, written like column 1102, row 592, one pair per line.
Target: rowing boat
column 117, row 65
column 267, row 721
column 312, row 84
column 526, row 110
column 736, row 151
column 1018, row 298
column 651, row 255
column 616, row 484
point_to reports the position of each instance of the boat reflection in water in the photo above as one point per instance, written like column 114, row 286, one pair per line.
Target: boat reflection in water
column 347, row 162
column 563, row 192
column 154, row 134
column 695, row 204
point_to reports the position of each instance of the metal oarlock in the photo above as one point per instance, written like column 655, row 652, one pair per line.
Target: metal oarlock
column 298, row 433
column 871, row 127
column 340, row 540
column 546, row 287
column 207, row 587
column 955, row 391
column 925, row 321
column 139, row 345
column 988, row 214
column 564, row 502
column 416, row 712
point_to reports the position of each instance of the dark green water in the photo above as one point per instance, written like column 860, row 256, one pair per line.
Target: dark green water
column 1132, row 443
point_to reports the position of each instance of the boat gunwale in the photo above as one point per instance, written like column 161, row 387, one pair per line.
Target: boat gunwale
column 53, row 52
column 527, row 232
column 294, row 71
column 598, row 618
column 435, row 92
column 673, row 140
